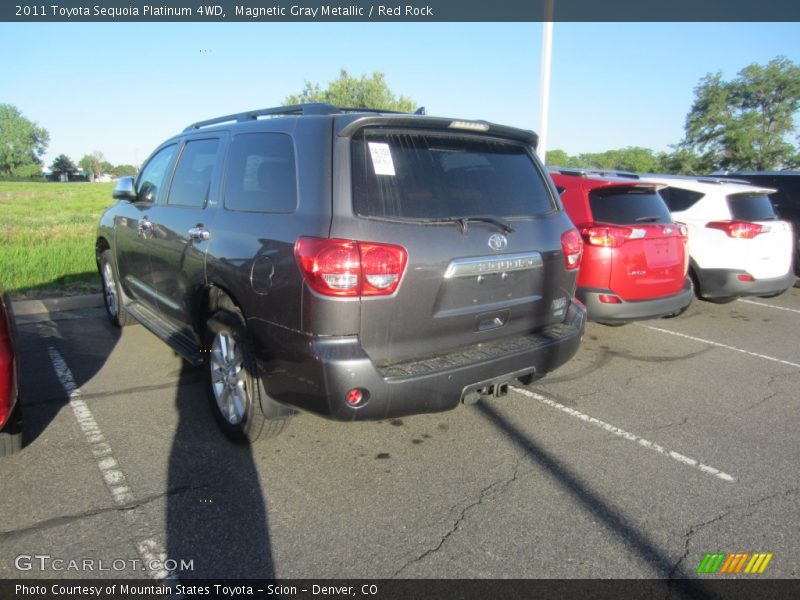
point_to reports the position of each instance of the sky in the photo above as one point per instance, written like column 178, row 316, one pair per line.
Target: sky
column 123, row 88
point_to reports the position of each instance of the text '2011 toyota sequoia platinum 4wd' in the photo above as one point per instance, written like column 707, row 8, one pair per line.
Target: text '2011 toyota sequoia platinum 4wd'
column 350, row 263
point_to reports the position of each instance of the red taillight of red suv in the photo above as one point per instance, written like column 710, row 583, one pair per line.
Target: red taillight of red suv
column 6, row 369
column 572, row 245
column 605, row 235
column 349, row 268
column 738, row 229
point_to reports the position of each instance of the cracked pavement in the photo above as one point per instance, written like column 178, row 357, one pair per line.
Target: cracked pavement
column 509, row 488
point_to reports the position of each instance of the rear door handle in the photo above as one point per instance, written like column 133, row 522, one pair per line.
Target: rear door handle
column 199, row 233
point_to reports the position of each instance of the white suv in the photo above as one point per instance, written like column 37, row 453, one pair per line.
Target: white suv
column 737, row 244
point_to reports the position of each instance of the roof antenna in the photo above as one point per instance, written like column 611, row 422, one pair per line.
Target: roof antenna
column 420, row 111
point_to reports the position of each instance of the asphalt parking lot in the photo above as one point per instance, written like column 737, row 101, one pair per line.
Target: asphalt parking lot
column 660, row 442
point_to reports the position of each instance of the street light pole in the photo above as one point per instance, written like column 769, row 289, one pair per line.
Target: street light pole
column 544, row 93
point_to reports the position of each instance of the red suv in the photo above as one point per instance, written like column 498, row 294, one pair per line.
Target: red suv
column 10, row 412
column 635, row 259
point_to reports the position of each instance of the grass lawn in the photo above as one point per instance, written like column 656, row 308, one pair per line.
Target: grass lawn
column 47, row 233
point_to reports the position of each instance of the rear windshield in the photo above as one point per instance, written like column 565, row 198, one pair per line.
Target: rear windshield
column 414, row 175
column 628, row 206
column 679, row 199
column 750, row 207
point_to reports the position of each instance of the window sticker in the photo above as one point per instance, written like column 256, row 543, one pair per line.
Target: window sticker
column 381, row 158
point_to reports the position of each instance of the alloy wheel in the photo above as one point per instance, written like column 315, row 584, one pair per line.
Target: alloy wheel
column 228, row 378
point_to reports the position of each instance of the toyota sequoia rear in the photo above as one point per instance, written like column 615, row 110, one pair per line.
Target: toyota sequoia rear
column 352, row 264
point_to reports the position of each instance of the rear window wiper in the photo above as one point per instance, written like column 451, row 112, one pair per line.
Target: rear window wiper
column 652, row 219
column 463, row 222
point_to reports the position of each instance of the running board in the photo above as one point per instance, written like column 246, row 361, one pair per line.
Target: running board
column 179, row 340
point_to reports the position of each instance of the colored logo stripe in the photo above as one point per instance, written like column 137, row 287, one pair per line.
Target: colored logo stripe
column 732, row 564
column 711, row 562
column 758, row 563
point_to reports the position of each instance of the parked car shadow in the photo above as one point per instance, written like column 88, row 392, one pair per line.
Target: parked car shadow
column 216, row 512
column 91, row 340
column 673, row 582
column 216, row 519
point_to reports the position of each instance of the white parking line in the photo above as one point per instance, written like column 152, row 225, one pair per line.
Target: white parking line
column 150, row 551
column 764, row 304
column 691, row 462
column 718, row 345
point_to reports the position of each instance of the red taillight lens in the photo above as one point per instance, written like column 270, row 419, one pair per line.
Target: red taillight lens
column 738, row 229
column 605, row 236
column 609, row 299
column 572, row 245
column 382, row 266
column 349, row 268
column 330, row 267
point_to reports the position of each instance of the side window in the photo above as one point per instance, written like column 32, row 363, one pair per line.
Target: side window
column 261, row 174
column 153, row 176
column 193, row 173
column 678, row 199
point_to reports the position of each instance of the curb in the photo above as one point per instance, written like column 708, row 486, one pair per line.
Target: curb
column 52, row 305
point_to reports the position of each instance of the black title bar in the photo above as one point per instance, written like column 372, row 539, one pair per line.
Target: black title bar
column 400, row 11
column 712, row 588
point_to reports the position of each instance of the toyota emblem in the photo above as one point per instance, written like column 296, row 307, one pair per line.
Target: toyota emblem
column 498, row 241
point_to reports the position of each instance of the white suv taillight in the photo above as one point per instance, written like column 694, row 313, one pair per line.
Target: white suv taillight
column 738, row 229
column 349, row 268
column 572, row 245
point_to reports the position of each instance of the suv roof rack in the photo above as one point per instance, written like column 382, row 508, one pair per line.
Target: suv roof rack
column 315, row 108
column 585, row 172
column 721, row 180
column 717, row 180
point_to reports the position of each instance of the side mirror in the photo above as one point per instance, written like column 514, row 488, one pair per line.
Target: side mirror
column 125, row 189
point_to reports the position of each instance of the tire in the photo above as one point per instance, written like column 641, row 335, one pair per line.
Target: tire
column 112, row 293
column 11, row 435
column 685, row 308
column 720, row 300
column 237, row 396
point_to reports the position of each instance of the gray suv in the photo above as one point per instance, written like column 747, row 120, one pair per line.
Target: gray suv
column 350, row 263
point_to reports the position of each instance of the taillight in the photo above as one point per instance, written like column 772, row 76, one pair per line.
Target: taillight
column 609, row 236
column 683, row 229
column 6, row 370
column 572, row 245
column 738, row 229
column 382, row 266
column 350, row 268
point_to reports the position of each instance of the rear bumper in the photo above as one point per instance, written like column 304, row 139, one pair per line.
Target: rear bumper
column 315, row 374
column 633, row 310
column 725, row 283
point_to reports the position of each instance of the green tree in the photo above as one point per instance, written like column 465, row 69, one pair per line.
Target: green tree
column 352, row 92
column 63, row 165
column 599, row 160
column 121, row 170
column 636, row 159
column 22, row 143
column 744, row 123
column 682, row 161
column 92, row 164
column 557, row 158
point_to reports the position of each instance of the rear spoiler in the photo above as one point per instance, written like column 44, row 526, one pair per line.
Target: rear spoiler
column 438, row 123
